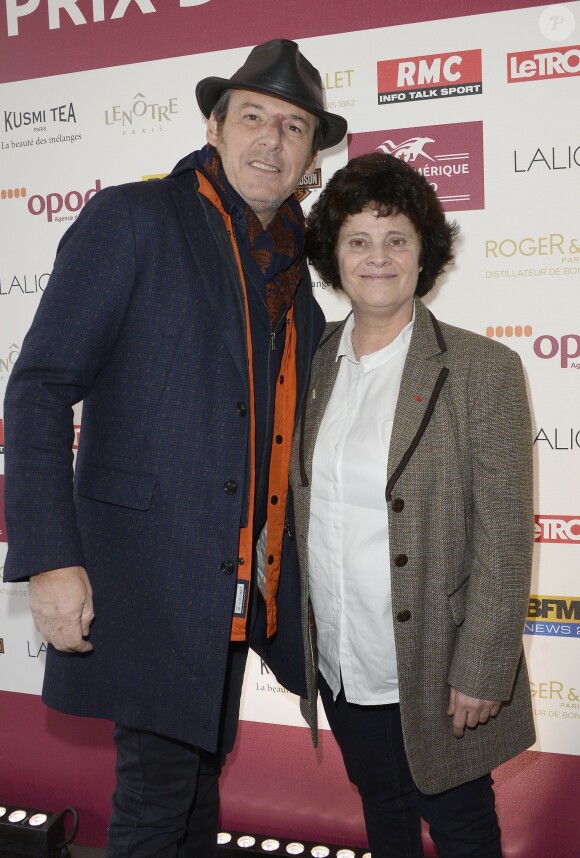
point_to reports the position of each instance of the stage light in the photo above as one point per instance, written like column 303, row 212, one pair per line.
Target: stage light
column 233, row 843
column 246, row 841
column 35, row 833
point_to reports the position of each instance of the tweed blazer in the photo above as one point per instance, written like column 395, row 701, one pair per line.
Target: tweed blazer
column 459, row 492
column 142, row 320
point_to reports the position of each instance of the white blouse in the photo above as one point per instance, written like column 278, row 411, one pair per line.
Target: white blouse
column 348, row 545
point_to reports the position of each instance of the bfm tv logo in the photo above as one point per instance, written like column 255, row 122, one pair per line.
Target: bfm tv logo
column 546, row 346
column 543, row 64
column 427, row 77
column 553, row 616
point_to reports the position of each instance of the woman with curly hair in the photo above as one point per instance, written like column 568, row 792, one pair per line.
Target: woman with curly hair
column 412, row 484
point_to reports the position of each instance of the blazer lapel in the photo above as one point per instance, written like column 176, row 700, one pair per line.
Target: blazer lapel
column 422, row 381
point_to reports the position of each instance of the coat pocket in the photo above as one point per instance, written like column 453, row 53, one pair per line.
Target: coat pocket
column 457, row 600
column 119, row 488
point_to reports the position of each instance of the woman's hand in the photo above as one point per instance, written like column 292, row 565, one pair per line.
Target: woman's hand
column 469, row 711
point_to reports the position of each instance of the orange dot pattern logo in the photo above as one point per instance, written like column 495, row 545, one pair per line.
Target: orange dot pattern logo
column 12, row 193
column 501, row 331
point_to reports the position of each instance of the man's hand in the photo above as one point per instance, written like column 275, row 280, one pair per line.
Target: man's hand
column 61, row 602
column 469, row 711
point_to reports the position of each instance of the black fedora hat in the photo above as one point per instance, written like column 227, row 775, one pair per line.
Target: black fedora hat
column 278, row 68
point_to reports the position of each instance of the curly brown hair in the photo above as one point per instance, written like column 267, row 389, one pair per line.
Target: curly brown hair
column 390, row 186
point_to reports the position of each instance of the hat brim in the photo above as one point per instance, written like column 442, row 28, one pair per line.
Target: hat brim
column 208, row 91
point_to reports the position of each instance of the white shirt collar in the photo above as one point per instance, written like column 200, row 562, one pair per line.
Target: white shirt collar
column 378, row 358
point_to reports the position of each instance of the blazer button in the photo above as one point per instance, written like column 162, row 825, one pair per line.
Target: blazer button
column 241, row 409
column 398, row 505
column 230, row 487
column 404, row 616
column 227, row 567
column 401, row 560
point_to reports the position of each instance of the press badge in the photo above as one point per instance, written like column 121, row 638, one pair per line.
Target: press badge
column 241, row 598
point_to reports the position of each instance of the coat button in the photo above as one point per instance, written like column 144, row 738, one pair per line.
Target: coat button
column 241, row 409
column 227, row 567
column 401, row 560
column 404, row 616
column 398, row 505
column 230, row 487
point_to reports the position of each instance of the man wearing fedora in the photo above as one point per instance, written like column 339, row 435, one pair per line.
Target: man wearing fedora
column 180, row 312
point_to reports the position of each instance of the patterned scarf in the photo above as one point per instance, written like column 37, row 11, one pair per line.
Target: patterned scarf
column 275, row 251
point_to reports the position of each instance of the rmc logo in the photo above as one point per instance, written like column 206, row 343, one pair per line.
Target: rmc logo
column 428, row 77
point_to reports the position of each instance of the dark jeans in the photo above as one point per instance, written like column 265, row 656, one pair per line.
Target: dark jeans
column 166, row 801
column 462, row 821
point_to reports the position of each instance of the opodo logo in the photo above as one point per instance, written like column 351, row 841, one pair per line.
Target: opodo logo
column 428, row 77
column 566, row 348
column 543, row 64
column 58, row 207
column 546, row 346
column 561, row 529
column 449, row 156
column 553, row 616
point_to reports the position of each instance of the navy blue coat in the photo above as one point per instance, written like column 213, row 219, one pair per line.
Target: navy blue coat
column 142, row 320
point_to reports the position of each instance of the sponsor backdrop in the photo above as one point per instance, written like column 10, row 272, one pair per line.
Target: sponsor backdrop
column 486, row 106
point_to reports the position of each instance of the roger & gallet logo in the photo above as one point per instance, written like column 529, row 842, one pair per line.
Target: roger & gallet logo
column 428, row 77
column 141, row 115
column 449, row 156
column 309, row 182
column 543, row 64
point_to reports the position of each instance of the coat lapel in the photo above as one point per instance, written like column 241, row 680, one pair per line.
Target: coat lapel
column 217, row 270
column 423, row 378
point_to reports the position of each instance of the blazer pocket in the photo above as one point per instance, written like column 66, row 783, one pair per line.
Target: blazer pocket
column 119, row 488
column 457, row 601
